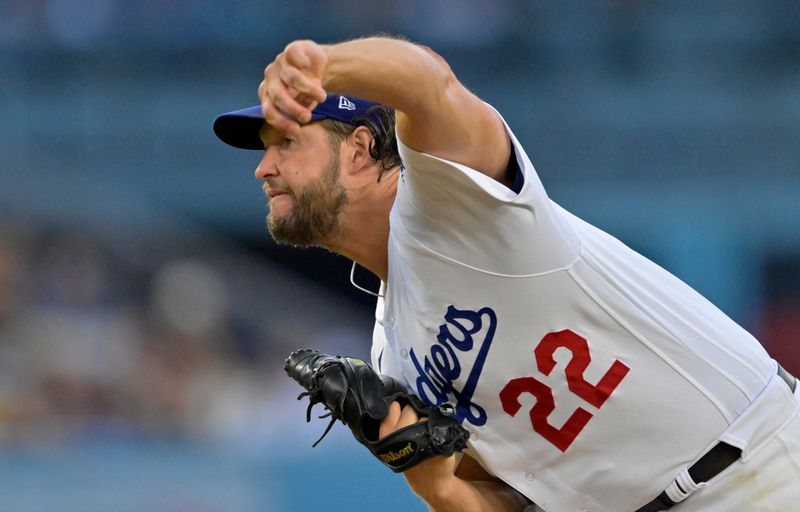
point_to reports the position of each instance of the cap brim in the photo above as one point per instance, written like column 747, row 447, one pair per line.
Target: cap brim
column 241, row 128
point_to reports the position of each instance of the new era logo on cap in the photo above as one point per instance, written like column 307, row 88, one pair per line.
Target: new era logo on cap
column 346, row 104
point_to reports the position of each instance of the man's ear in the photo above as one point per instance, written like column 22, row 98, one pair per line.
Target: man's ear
column 359, row 142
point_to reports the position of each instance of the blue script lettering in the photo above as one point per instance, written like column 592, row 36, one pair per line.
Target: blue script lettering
column 439, row 370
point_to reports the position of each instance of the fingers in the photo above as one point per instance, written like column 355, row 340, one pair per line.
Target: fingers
column 308, row 56
column 389, row 423
column 407, row 417
column 276, row 119
column 287, row 102
column 398, row 418
column 303, row 83
column 279, row 107
column 297, row 55
column 292, row 86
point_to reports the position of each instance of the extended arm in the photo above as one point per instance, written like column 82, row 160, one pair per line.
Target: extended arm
column 436, row 114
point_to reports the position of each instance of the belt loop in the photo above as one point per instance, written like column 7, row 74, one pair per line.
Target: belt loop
column 712, row 463
column 682, row 487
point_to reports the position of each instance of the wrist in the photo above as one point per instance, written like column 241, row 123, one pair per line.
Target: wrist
column 331, row 72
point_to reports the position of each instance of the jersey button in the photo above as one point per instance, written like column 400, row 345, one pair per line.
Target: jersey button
column 530, row 476
column 404, row 354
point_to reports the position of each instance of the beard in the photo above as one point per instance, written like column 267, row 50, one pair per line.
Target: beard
column 314, row 218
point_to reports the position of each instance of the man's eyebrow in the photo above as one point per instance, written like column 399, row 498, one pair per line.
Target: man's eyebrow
column 270, row 137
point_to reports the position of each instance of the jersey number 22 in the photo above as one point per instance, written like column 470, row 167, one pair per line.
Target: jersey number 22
column 594, row 394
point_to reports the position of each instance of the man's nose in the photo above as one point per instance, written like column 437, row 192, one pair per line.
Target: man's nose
column 266, row 167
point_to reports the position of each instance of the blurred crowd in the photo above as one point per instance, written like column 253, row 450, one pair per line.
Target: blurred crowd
column 96, row 343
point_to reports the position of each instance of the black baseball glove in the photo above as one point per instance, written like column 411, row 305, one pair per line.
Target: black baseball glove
column 356, row 395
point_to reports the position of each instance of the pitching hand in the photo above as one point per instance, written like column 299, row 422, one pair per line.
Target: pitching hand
column 292, row 86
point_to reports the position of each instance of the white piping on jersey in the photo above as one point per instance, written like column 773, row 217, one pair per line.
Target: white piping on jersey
column 644, row 341
column 476, row 269
column 744, row 362
column 786, row 445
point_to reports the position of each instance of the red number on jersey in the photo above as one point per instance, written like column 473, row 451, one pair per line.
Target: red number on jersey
column 594, row 394
column 545, row 404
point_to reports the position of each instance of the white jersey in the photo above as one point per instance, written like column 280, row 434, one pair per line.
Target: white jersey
column 587, row 375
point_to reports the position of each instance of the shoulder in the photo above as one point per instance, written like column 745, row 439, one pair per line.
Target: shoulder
column 458, row 126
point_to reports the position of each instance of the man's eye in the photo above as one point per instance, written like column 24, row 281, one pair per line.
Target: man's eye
column 286, row 141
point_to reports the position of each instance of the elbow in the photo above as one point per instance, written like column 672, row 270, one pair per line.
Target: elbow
column 439, row 84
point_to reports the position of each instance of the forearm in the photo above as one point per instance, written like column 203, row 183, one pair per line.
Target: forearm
column 459, row 495
column 394, row 72
column 435, row 113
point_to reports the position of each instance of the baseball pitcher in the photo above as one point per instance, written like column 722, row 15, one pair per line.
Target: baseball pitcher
column 520, row 355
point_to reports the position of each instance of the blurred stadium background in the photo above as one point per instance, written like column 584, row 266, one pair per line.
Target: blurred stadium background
column 145, row 314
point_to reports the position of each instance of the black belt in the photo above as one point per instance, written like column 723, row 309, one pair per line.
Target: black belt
column 713, row 462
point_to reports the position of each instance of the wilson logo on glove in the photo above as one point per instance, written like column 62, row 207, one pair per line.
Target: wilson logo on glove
column 356, row 395
column 397, row 457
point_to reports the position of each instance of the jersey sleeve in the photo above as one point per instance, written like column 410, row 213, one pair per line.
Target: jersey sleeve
column 463, row 215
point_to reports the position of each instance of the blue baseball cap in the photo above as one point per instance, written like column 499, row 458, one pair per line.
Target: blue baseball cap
column 241, row 128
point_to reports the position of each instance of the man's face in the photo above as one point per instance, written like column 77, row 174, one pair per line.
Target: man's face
column 301, row 178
